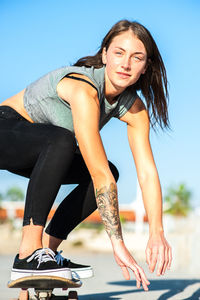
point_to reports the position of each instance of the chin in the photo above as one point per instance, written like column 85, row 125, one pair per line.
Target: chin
column 122, row 86
column 124, row 83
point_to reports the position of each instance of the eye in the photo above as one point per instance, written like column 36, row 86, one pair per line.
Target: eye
column 118, row 53
column 137, row 58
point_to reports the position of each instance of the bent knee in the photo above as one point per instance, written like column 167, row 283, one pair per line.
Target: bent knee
column 61, row 138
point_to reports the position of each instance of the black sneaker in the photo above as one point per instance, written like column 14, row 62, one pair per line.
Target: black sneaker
column 40, row 262
column 81, row 270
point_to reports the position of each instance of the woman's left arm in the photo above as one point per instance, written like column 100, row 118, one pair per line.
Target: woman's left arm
column 158, row 250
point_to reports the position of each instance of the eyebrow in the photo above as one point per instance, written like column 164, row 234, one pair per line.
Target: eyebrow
column 137, row 52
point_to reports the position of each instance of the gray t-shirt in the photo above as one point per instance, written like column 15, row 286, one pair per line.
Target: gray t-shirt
column 45, row 106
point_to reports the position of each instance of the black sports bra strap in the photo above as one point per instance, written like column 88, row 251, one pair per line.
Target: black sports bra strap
column 82, row 79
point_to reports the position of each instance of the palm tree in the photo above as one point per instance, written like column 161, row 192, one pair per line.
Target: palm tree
column 178, row 201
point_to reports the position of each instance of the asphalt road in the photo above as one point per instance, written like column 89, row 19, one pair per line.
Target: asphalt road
column 108, row 282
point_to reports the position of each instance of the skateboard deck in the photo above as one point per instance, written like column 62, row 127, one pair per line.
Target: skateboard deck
column 43, row 286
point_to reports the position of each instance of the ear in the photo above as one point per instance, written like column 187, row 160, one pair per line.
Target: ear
column 104, row 58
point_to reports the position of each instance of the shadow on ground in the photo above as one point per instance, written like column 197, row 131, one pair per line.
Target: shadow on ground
column 173, row 287
column 170, row 288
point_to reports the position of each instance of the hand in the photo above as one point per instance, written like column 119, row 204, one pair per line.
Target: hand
column 158, row 252
column 125, row 260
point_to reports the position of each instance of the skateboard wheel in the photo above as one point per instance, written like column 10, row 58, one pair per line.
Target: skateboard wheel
column 24, row 295
column 72, row 295
column 43, row 294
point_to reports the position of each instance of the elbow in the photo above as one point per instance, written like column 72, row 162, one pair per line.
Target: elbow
column 147, row 176
column 102, row 177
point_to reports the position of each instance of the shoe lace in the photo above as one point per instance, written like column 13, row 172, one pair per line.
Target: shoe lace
column 42, row 255
column 59, row 258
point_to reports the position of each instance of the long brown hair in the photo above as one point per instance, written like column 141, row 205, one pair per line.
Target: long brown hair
column 152, row 84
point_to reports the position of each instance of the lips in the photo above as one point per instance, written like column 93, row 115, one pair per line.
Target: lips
column 123, row 75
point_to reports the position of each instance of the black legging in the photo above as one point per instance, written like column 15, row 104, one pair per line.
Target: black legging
column 49, row 156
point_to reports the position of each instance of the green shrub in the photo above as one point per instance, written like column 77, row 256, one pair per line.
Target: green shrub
column 178, row 201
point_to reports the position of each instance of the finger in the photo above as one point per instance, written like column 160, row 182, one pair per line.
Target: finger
column 170, row 258
column 166, row 261
column 143, row 276
column 137, row 276
column 136, row 273
column 161, row 260
column 145, row 281
column 125, row 272
column 145, row 287
column 153, row 261
column 148, row 256
column 138, row 284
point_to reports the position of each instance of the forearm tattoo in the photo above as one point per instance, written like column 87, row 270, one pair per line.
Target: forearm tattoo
column 108, row 208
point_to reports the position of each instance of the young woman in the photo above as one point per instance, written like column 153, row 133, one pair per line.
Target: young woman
column 50, row 133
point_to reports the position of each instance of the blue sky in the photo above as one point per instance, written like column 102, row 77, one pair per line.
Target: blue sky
column 39, row 36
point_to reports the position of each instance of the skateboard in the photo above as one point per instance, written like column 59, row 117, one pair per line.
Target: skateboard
column 43, row 287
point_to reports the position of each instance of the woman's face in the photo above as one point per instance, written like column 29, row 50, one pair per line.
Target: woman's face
column 125, row 60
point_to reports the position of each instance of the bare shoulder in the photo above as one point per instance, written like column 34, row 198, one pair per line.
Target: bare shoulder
column 137, row 115
column 70, row 89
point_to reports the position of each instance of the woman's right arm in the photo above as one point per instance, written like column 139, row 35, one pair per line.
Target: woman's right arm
column 85, row 108
column 86, row 113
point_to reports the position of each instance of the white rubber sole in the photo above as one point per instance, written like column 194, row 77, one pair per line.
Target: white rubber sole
column 82, row 273
column 64, row 273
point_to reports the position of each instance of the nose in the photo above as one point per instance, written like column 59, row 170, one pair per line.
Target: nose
column 126, row 63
